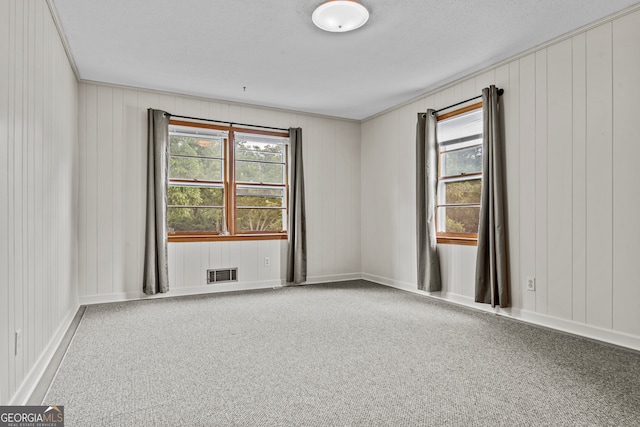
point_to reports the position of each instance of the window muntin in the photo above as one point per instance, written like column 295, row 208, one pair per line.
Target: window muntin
column 459, row 176
column 225, row 183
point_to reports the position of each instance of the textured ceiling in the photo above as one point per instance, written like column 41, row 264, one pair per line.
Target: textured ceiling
column 214, row 48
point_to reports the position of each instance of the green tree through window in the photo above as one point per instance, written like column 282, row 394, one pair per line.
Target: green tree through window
column 261, row 180
column 208, row 162
column 459, row 174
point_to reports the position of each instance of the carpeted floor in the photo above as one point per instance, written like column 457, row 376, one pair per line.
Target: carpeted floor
column 343, row 354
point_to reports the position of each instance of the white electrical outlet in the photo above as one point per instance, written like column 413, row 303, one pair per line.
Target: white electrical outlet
column 531, row 283
column 18, row 342
column 267, row 262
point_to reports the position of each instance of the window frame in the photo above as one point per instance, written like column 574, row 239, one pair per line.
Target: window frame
column 467, row 239
column 230, row 188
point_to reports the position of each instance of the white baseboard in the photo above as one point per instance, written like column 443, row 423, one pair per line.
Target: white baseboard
column 30, row 382
column 581, row 329
column 209, row 289
column 312, row 280
column 178, row 292
column 588, row 331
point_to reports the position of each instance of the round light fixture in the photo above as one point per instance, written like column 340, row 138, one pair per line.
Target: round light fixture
column 204, row 143
column 339, row 16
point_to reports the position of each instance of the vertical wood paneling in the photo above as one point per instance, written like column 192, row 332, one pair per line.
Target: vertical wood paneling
column 332, row 187
column 560, row 176
column 502, row 80
column 599, row 177
column 49, row 83
column 40, row 320
column 325, row 161
column 178, row 266
column 458, row 270
column 215, row 256
column 264, row 250
column 4, row 207
column 406, row 196
column 626, row 152
column 104, row 189
column 10, row 190
column 485, row 79
column 30, row 300
column 225, row 254
column 393, row 176
column 579, row 179
column 117, row 224
column 38, row 134
column 527, row 172
column 467, row 261
column 366, row 195
column 19, row 190
column 541, row 190
column 204, row 262
column 352, row 165
column 131, row 164
column 82, row 189
column 511, row 105
column 193, row 272
column 342, row 197
column 171, row 259
column 313, row 195
column 447, row 267
column 91, row 194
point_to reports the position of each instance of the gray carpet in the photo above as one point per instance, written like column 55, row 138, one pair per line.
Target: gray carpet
column 344, row 354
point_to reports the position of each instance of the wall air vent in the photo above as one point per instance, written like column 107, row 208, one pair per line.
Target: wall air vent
column 222, row 275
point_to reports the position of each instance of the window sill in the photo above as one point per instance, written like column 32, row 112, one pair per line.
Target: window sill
column 173, row 238
column 465, row 240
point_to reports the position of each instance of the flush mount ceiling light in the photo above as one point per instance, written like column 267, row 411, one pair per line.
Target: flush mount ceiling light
column 339, row 16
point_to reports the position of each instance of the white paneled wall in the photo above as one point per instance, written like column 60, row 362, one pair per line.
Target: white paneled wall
column 38, row 193
column 112, row 133
column 572, row 132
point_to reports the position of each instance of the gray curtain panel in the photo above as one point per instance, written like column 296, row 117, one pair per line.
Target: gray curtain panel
column 297, row 232
column 492, row 279
column 156, row 265
column 426, row 185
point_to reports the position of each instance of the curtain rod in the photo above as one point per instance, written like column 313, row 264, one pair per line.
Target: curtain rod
column 500, row 92
column 227, row 122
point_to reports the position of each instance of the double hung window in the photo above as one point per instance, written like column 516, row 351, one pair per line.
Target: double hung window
column 226, row 183
column 459, row 135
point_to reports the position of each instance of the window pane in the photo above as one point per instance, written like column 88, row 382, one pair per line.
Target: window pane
column 194, row 219
column 468, row 160
column 202, row 146
column 271, row 173
column 268, row 220
column 260, row 196
column 259, row 151
column 195, row 168
column 179, row 195
column 458, row 219
column 460, row 126
column 262, row 148
column 461, row 192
